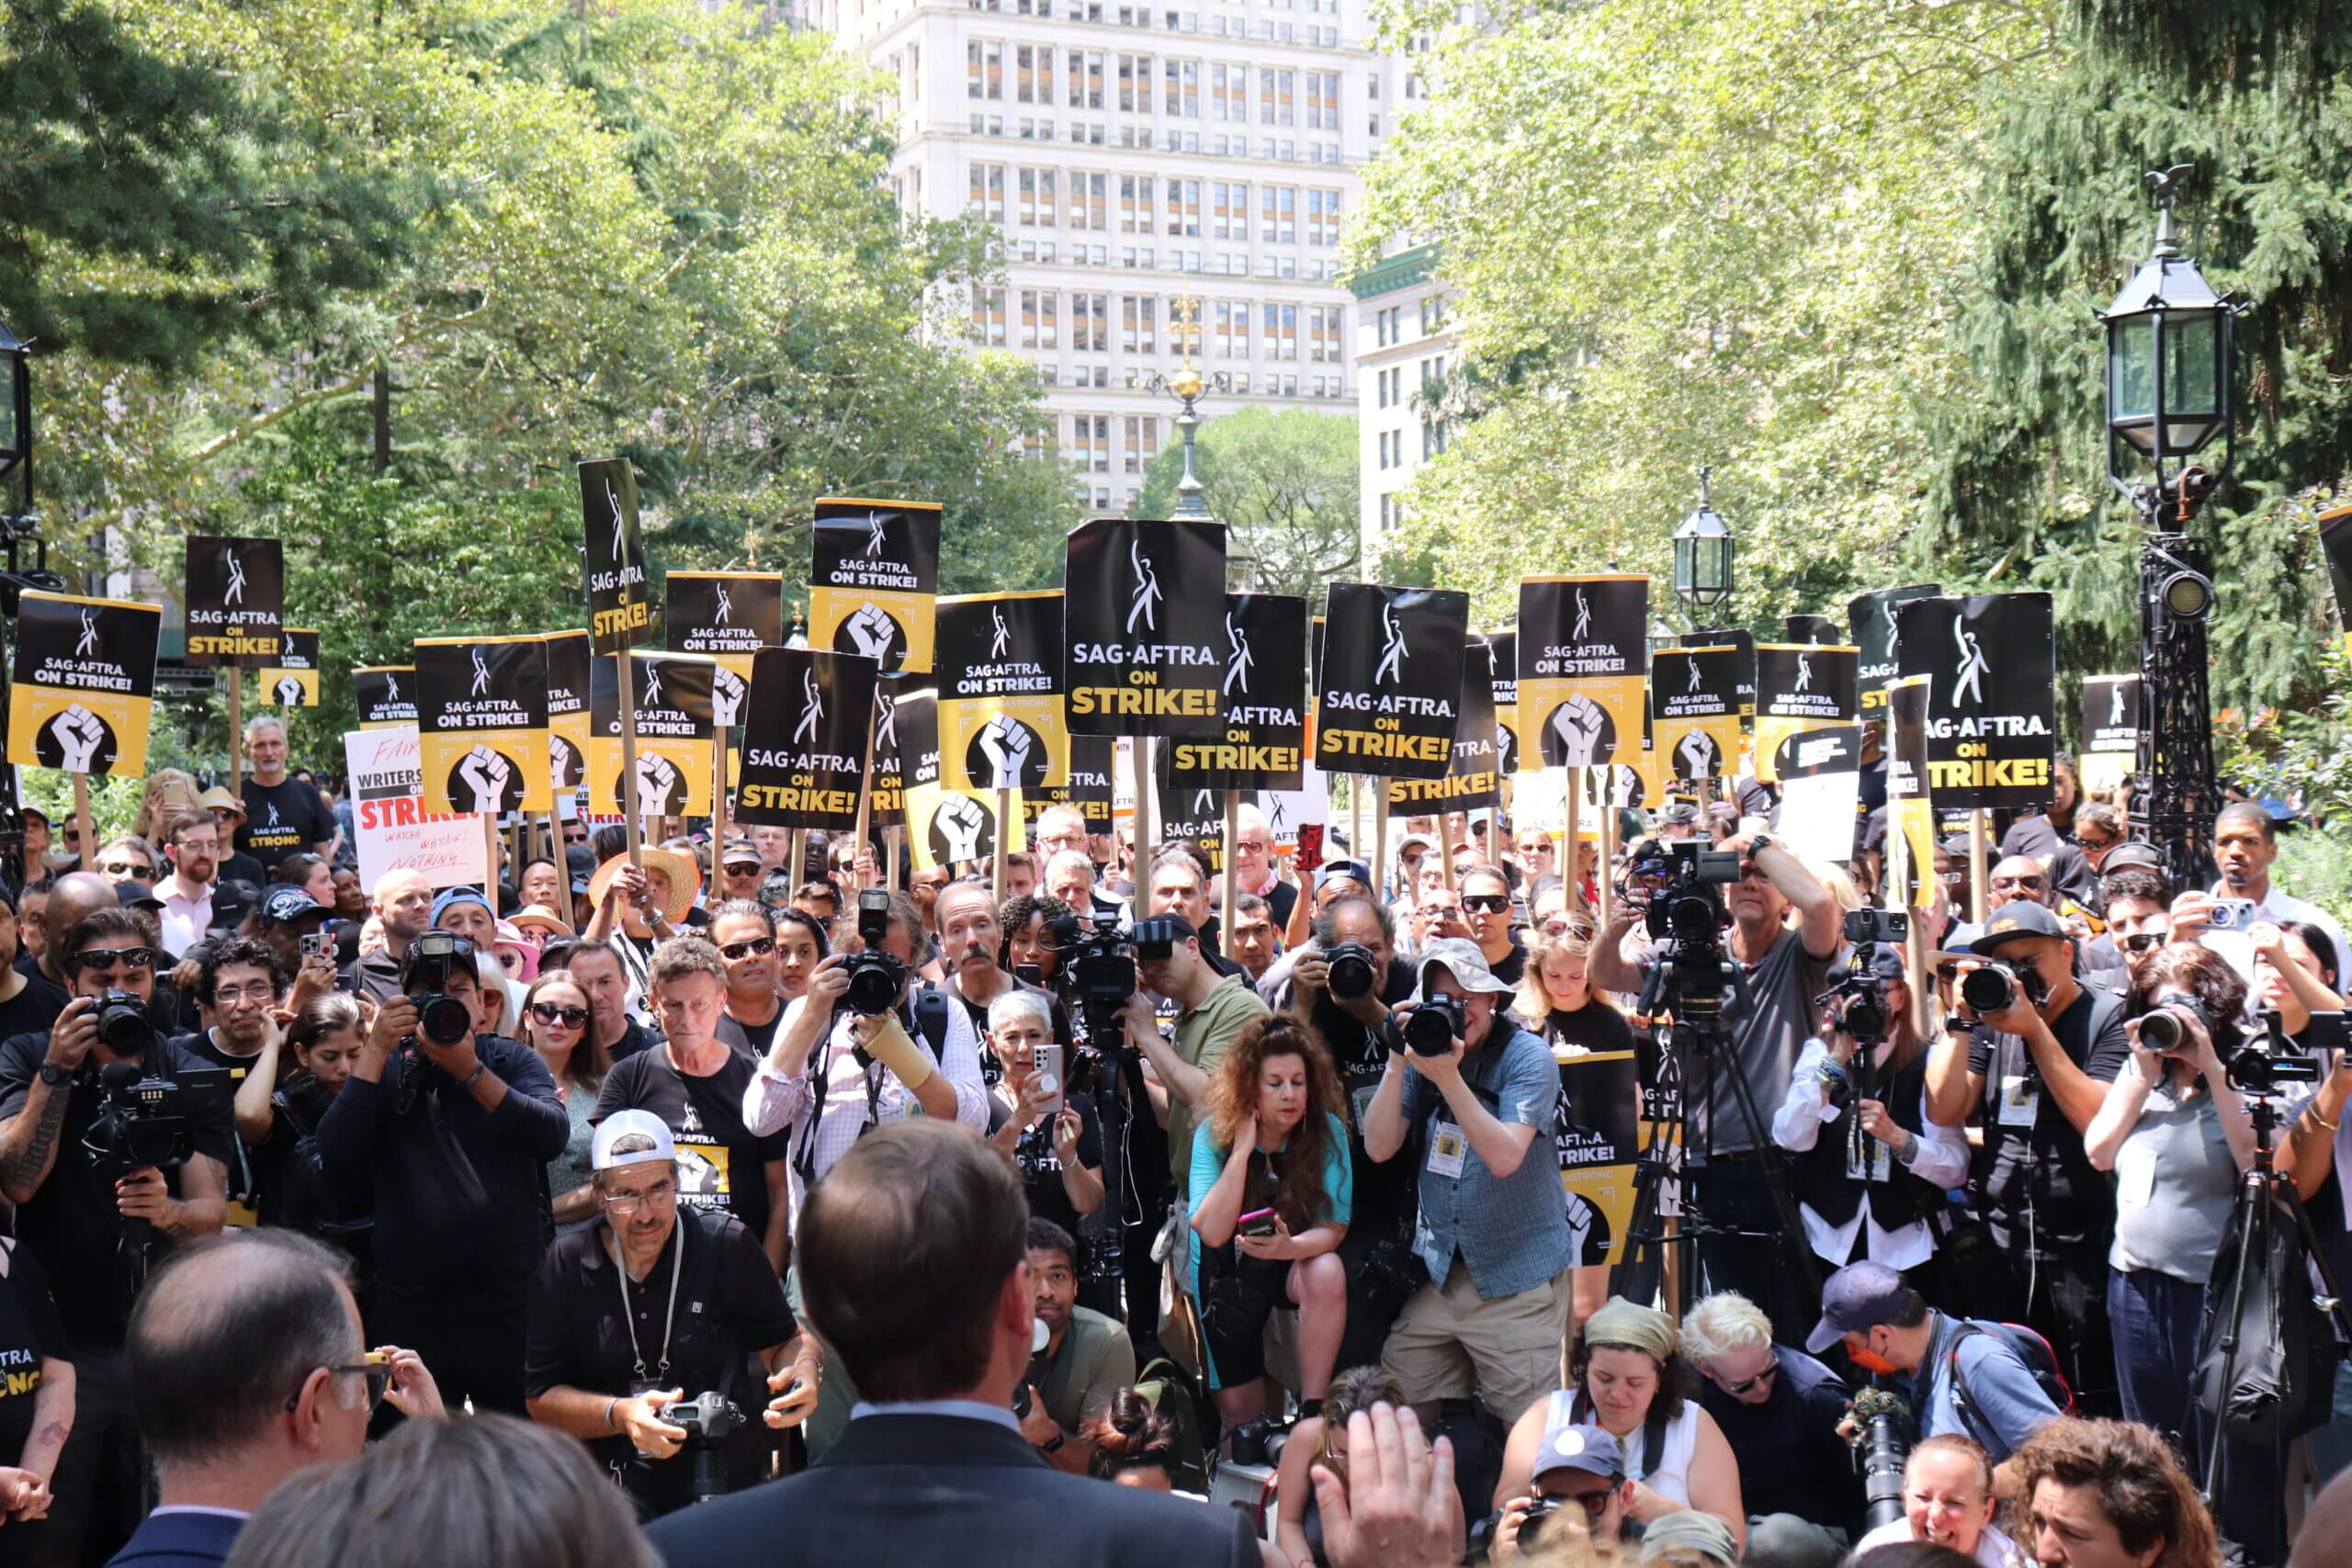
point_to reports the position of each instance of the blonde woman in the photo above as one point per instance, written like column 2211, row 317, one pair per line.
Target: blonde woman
column 169, row 792
column 1558, row 1003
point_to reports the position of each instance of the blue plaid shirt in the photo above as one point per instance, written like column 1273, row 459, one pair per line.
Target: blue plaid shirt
column 1512, row 1231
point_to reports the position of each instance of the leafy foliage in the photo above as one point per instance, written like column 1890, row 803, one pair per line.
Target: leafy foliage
column 1285, row 484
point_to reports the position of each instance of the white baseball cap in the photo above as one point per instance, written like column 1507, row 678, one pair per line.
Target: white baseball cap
column 623, row 1123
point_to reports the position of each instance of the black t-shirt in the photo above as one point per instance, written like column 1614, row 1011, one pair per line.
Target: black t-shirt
column 635, row 1038
column 1791, row 1459
column 239, row 866
column 730, row 1307
column 2072, row 1204
column 283, row 819
column 32, row 1010
column 244, row 1189
column 30, row 1329
column 754, row 1038
column 1513, row 965
column 1041, row 1167
column 72, row 1221
column 1387, row 1193
column 720, row 1164
column 1596, row 1026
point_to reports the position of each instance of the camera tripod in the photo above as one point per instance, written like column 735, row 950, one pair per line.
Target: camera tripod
column 2263, row 1190
column 1696, row 1048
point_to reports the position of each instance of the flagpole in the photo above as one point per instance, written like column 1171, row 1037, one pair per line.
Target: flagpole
column 999, row 873
column 1976, row 837
column 1232, row 826
column 625, row 669
column 89, row 834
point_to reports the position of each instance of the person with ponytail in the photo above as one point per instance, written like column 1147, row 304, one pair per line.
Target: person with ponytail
column 1133, row 1444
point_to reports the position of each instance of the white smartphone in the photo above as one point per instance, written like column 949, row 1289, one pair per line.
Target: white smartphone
column 1048, row 1058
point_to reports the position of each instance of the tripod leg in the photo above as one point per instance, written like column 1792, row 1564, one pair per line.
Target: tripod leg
column 2249, row 1220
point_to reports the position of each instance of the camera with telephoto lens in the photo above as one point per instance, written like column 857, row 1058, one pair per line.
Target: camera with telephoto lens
column 876, row 980
column 707, row 1419
column 1882, row 1444
column 424, row 980
column 1353, row 971
column 2160, row 1027
column 1431, row 1028
column 1259, row 1440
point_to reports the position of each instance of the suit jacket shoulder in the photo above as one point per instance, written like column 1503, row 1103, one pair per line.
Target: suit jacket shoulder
column 179, row 1540
column 951, row 1492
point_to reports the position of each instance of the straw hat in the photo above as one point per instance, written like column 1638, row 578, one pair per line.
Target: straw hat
column 686, row 879
column 219, row 799
column 541, row 916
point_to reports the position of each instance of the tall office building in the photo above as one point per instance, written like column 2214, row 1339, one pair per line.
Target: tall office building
column 1403, row 342
column 1134, row 156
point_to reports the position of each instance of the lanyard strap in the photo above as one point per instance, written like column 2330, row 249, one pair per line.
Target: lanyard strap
column 628, row 1319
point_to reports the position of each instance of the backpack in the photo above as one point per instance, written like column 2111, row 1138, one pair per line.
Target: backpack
column 1174, row 1395
column 2284, row 1362
column 2030, row 1349
column 931, row 1021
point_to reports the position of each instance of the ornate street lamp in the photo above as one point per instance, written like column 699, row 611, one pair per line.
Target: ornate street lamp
column 2171, row 389
column 1186, row 387
column 1702, row 554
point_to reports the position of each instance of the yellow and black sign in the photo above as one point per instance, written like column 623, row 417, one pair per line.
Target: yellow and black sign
column 1261, row 695
column 1599, row 1133
column 1992, row 662
column 1870, row 620
column 873, row 577
column 1001, row 692
column 1388, row 700
column 386, row 694
column 293, row 681
column 1583, row 646
column 1799, row 687
column 728, row 615
column 672, row 694
column 568, row 725
column 482, row 723
column 1910, row 806
column 950, row 827
column 906, row 744
column 1502, row 675
column 1694, row 711
column 234, row 600
column 84, row 681
column 612, row 562
column 1473, row 782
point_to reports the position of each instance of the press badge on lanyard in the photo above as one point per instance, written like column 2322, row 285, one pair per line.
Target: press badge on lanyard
column 1447, row 1146
column 2021, row 1100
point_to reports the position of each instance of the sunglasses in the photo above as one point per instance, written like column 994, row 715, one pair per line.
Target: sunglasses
column 758, row 947
column 122, row 868
column 1744, row 1384
column 1557, row 926
column 1486, row 903
column 550, row 1012
column 2096, row 846
column 2036, row 883
column 112, row 957
column 2146, row 942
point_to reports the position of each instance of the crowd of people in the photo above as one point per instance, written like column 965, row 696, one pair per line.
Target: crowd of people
column 741, row 1218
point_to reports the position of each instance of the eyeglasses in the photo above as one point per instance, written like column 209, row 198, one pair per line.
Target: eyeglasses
column 1428, row 909
column 758, row 947
column 1559, row 925
column 2031, row 884
column 112, row 957
column 1486, row 903
column 1741, row 1387
column 258, row 991
column 2146, row 942
column 197, row 846
column 658, row 1195
column 378, row 1376
column 548, row 1012
column 2094, row 846
column 122, row 868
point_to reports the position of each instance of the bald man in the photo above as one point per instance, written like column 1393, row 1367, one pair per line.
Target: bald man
column 404, row 906
column 75, row 895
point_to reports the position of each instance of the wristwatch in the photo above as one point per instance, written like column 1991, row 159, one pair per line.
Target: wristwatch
column 1760, row 843
column 55, row 1073
column 1054, row 1447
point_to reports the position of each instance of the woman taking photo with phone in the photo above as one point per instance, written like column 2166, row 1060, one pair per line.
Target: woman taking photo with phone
column 556, row 1019
column 1272, row 1186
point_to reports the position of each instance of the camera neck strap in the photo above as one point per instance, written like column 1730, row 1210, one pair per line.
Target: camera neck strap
column 670, row 1317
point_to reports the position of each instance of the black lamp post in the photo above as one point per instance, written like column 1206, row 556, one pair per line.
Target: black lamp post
column 1702, row 552
column 17, row 526
column 2171, row 389
column 16, row 430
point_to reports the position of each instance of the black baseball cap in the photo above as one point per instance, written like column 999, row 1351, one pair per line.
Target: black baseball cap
column 2021, row 917
column 1858, row 1297
column 285, row 904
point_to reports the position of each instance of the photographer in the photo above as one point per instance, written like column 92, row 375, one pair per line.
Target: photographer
column 1785, row 967
column 658, row 1302
column 1493, row 1232
column 74, row 1206
column 445, row 1129
column 1871, row 1187
column 2176, row 1134
column 1212, row 1009
column 2038, row 1070
column 1958, row 1374
column 325, row 1043
column 1579, row 1465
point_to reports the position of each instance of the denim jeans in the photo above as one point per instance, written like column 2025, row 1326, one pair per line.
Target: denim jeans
column 2156, row 1320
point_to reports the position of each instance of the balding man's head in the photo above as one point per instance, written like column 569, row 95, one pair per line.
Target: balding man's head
column 2018, row 876
column 404, row 904
column 229, row 1332
column 75, row 895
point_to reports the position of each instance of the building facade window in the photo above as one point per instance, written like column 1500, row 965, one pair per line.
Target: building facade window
column 987, row 318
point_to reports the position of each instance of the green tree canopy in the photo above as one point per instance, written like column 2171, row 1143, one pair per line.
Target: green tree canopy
column 1286, row 486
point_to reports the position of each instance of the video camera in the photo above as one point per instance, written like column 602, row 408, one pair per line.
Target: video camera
column 1866, row 1016
column 876, row 980
column 142, row 1121
column 424, row 979
column 2271, row 1057
column 1675, row 883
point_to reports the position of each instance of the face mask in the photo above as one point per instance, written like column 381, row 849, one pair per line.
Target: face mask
column 1871, row 1361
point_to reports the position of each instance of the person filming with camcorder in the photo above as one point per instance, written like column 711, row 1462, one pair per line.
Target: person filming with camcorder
column 447, row 1130
column 652, row 1332
column 113, row 1146
column 1873, row 1167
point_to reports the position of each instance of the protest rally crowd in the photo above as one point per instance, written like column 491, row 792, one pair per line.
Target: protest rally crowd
column 630, row 1199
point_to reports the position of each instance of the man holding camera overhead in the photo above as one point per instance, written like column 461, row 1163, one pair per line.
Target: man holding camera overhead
column 634, row 1320
column 446, row 1131
column 1493, row 1233
column 78, row 1211
column 2038, row 1067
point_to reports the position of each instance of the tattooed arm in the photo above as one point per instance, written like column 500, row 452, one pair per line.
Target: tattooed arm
column 29, row 1140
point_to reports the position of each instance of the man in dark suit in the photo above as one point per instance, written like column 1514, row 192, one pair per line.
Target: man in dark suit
column 247, row 1364
column 913, row 1259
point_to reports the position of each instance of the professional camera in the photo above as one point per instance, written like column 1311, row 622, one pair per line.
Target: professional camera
column 2160, row 1027
column 1431, row 1028
column 1354, row 971
column 1992, row 989
column 424, row 979
column 707, row 1419
column 124, row 1026
column 876, row 980
column 1882, row 1445
column 1675, row 882
column 1259, row 1440
column 140, row 1121
column 1096, row 961
column 1531, row 1521
column 1865, row 1016
column 2271, row 1057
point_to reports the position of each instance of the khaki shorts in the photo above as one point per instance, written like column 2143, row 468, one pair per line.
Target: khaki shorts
column 1450, row 1345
